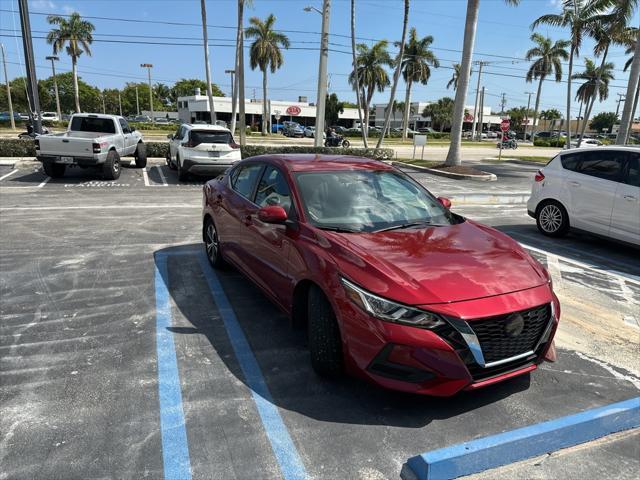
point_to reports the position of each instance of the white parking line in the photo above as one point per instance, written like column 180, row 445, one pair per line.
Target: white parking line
column 145, row 177
column 44, row 182
column 9, row 174
column 635, row 279
column 147, row 183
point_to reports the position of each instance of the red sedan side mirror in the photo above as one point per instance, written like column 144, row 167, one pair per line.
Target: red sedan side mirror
column 445, row 202
column 272, row 214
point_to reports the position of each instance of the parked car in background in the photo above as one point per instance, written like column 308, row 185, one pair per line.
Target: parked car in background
column 201, row 150
column 389, row 284
column 586, row 143
column 92, row 140
column 339, row 129
column 276, row 127
column 50, row 116
column 426, row 130
column 491, row 134
column 309, row 132
column 293, row 129
column 4, row 116
column 543, row 135
column 594, row 190
column 142, row 119
column 161, row 121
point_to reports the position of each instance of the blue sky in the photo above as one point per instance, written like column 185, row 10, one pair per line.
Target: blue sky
column 502, row 32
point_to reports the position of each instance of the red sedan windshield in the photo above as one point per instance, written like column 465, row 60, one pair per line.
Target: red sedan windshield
column 367, row 201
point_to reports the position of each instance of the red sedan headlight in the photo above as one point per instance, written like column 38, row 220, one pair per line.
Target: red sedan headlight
column 390, row 311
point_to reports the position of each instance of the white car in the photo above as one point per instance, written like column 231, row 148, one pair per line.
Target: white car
column 201, row 150
column 586, row 143
column 595, row 190
column 50, row 116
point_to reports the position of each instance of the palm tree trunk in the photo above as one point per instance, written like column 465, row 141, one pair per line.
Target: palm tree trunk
column 240, row 74
column 365, row 126
column 634, row 78
column 453, row 157
column 368, row 99
column 234, row 93
column 396, row 76
column 76, row 94
column 407, row 109
column 633, row 112
column 355, row 64
column 534, row 128
column 587, row 113
column 569, row 96
column 264, row 102
column 579, row 114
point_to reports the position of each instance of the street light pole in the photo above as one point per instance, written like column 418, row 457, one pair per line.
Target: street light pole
column 54, row 59
column 322, row 70
column 119, row 103
column 477, row 104
column 137, row 102
column 149, row 66
column 234, row 100
column 527, row 124
column 6, row 78
column 205, row 40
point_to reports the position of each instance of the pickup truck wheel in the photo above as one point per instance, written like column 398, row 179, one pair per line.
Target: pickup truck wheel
column 111, row 168
column 141, row 155
column 183, row 175
column 54, row 170
column 325, row 344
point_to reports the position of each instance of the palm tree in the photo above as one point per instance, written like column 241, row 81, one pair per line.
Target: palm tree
column 265, row 53
column 596, row 83
column 396, row 75
column 453, row 81
column 441, row 112
column 415, row 68
column 370, row 74
column 631, row 50
column 551, row 115
column 579, row 17
column 471, row 22
column 75, row 34
column 547, row 58
column 356, row 85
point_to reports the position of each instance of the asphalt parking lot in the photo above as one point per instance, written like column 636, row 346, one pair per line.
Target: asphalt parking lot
column 125, row 356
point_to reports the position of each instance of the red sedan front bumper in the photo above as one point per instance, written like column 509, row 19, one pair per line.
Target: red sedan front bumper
column 439, row 362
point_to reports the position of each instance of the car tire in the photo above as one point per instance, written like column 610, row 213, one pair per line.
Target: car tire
column 552, row 219
column 111, row 168
column 325, row 343
column 183, row 175
column 141, row 155
column 212, row 245
column 54, row 170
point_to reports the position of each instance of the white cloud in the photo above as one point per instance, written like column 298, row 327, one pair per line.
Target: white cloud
column 68, row 9
column 557, row 4
column 44, row 5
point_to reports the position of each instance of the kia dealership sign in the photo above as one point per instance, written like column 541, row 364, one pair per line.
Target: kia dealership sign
column 293, row 110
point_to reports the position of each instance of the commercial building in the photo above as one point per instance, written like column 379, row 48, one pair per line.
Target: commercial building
column 196, row 108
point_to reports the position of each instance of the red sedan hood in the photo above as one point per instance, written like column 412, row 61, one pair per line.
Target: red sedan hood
column 436, row 264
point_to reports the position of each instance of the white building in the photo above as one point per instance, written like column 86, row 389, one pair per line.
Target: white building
column 196, row 107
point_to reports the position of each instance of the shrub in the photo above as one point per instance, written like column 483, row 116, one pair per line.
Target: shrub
column 25, row 148
column 549, row 142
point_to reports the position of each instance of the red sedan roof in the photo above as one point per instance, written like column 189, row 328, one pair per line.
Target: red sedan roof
column 312, row 162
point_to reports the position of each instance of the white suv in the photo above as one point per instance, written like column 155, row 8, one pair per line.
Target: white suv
column 201, row 150
column 595, row 190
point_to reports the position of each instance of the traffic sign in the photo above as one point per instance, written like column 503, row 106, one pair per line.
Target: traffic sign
column 505, row 125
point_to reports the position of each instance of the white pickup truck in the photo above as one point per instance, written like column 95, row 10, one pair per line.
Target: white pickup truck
column 92, row 140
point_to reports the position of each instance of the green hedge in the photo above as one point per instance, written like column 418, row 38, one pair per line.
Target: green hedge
column 553, row 142
column 25, row 148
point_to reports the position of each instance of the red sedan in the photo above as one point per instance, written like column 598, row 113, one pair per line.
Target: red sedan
column 389, row 283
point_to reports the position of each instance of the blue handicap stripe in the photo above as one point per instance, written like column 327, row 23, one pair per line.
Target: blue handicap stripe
column 175, row 449
column 285, row 451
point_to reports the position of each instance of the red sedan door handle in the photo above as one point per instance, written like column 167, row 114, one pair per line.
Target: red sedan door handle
column 247, row 220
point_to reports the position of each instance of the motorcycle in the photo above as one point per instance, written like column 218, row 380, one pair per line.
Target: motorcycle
column 31, row 134
column 337, row 141
column 508, row 144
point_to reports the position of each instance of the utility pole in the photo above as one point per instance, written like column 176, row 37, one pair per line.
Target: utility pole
column 205, row 40
column 322, row 70
column 137, row 102
column 481, row 114
column 32, row 81
column 475, row 108
column 149, row 66
column 119, row 102
column 503, row 102
column 234, row 100
column 526, row 126
column 104, row 108
column 621, row 98
column 6, row 79
column 54, row 59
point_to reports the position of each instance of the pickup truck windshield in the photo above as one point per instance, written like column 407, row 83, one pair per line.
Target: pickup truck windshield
column 91, row 124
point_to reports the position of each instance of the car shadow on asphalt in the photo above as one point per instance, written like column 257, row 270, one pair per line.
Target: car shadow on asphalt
column 283, row 358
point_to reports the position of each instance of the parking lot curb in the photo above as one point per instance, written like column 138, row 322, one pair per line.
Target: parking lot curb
column 487, row 198
column 516, row 445
column 486, row 177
